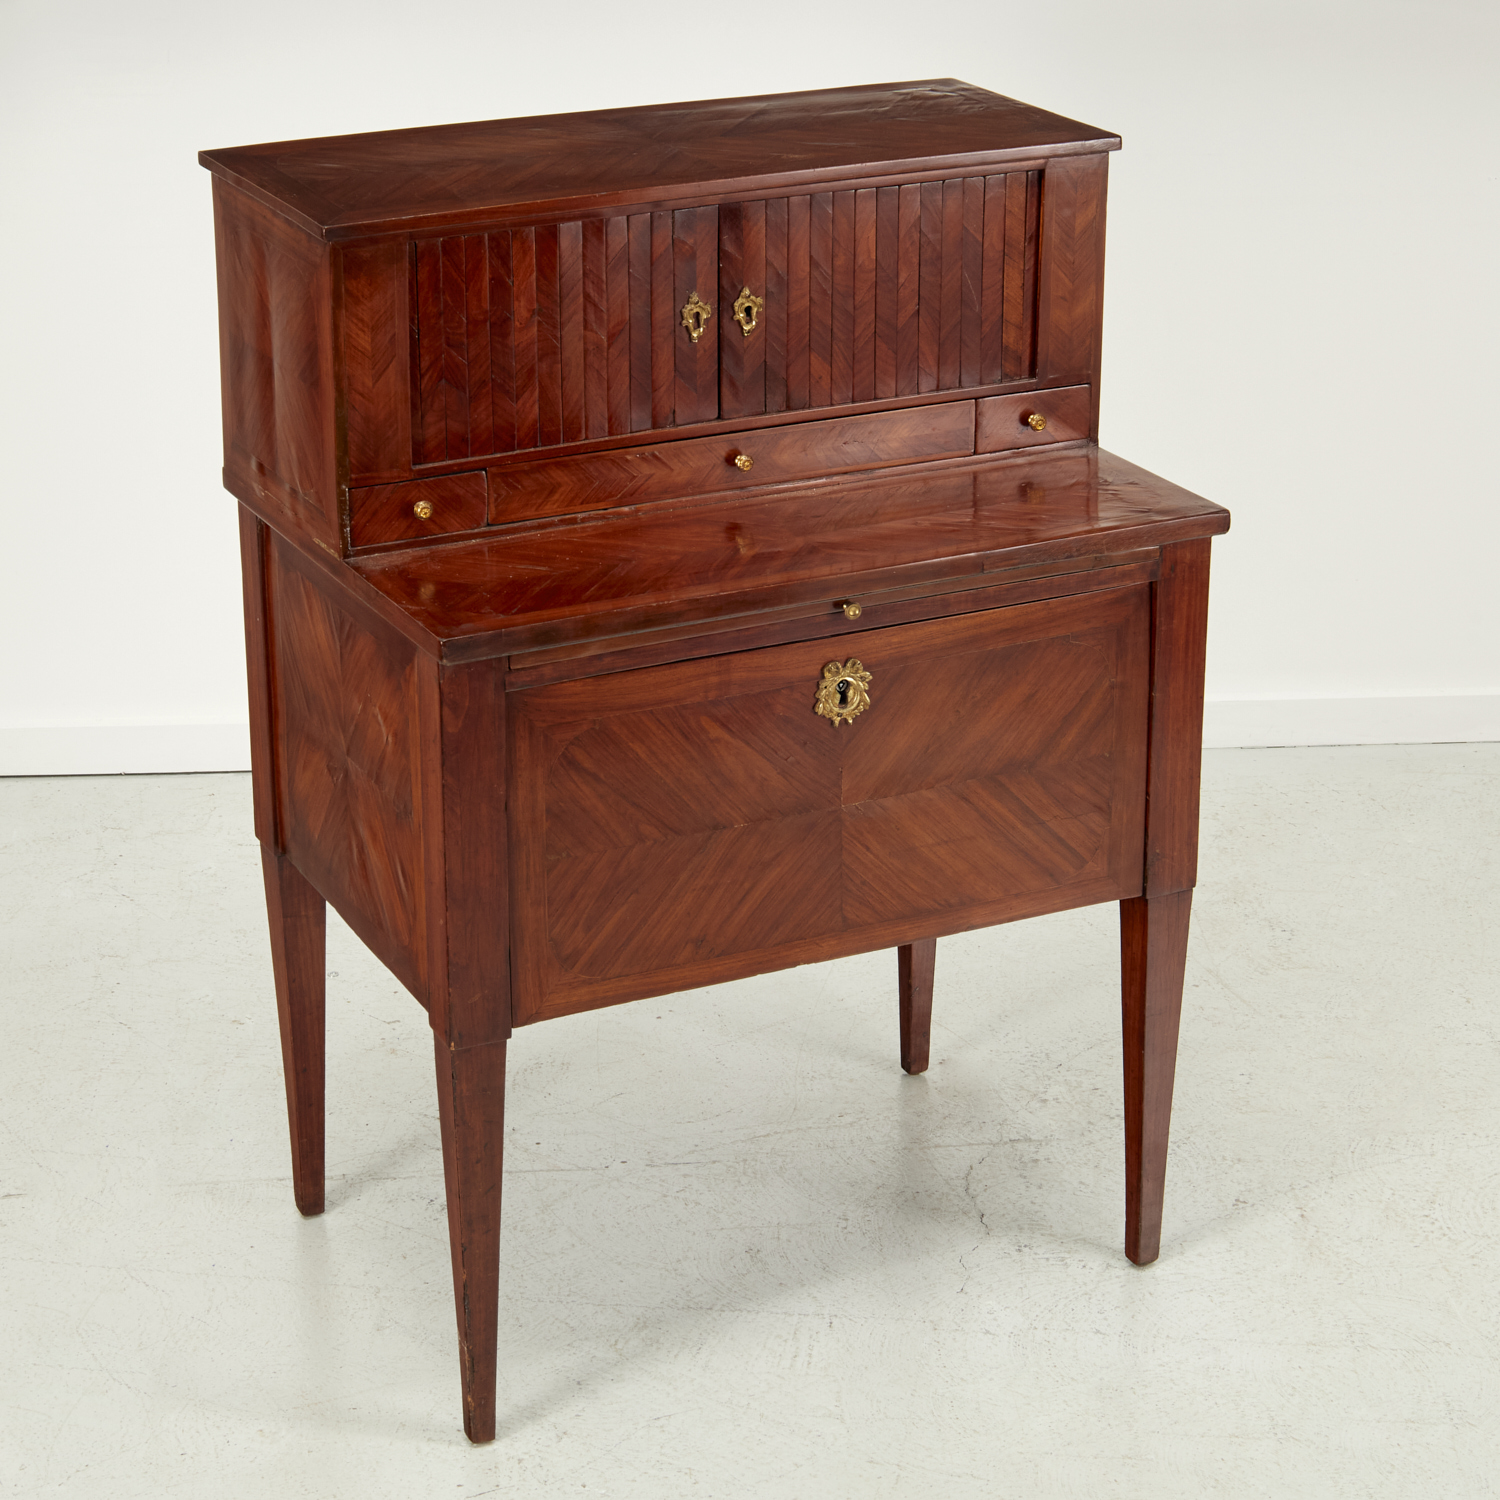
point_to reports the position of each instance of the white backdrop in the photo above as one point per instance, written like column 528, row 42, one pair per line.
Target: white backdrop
column 1300, row 311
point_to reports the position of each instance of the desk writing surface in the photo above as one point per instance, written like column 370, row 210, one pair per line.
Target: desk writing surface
column 783, row 548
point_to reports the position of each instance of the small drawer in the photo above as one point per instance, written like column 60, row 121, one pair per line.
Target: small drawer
column 1012, row 421
column 416, row 508
column 697, row 466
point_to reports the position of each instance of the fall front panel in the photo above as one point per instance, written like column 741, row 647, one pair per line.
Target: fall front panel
column 694, row 822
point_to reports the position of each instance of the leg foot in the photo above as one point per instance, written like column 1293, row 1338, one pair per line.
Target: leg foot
column 471, row 1105
column 914, row 966
column 1153, row 951
column 298, row 921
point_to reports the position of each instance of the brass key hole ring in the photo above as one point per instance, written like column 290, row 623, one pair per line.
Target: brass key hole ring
column 695, row 316
column 843, row 692
column 747, row 310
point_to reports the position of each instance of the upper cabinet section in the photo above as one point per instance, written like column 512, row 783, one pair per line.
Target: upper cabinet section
column 462, row 302
column 498, row 171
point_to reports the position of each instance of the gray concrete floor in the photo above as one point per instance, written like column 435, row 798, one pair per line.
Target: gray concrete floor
column 743, row 1254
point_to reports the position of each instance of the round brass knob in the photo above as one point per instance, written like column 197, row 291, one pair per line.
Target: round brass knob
column 852, row 609
column 422, row 510
column 743, row 461
column 1036, row 422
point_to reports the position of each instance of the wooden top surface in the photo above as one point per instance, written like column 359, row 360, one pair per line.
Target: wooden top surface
column 628, row 571
column 405, row 180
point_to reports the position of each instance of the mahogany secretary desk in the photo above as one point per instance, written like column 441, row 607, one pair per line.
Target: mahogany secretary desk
column 676, row 548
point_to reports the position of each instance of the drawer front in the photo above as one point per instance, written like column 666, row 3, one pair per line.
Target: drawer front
column 1012, row 421
column 697, row 466
column 416, row 508
column 686, row 824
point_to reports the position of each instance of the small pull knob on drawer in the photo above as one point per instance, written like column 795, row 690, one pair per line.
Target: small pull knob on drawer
column 851, row 608
column 743, row 461
column 1037, row 422
column 422, row 510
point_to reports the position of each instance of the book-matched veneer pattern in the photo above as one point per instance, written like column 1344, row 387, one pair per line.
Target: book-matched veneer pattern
column 687, row 824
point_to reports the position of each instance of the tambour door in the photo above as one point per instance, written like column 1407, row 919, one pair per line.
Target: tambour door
column 558, row 333
column 562, row 333
column 700, row 821
column 866, row 294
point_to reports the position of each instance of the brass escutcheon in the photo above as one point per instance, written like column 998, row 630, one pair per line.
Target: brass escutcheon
column 844, row 692
column 747, row 308
column 695, row 316
column 1037, row 422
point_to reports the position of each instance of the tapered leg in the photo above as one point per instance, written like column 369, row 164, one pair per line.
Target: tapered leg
column 1153, row 951
column 914, row 966
column 298, row 920
column 471, row 1105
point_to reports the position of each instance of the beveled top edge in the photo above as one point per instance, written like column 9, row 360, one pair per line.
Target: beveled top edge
column 340, row 187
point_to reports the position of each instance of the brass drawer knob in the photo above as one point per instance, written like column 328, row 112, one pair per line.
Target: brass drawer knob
column 843, row 692
column 1037, row 422
column 851, row 608
column 743, row 461
column 422, row 510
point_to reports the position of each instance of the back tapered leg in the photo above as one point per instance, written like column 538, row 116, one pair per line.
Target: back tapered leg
column 914, row 968
column 298, row 918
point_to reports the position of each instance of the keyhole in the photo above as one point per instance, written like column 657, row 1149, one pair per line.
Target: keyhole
column 843, row 692
column 697, row 322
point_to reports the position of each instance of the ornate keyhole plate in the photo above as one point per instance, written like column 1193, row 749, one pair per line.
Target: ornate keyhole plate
column 747, row 309
column 695, row 316
column 844, row 692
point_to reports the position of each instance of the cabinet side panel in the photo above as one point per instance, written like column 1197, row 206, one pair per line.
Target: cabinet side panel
column 346, row 710
column 1071, row 294
column 377, row 362
column 276, row 364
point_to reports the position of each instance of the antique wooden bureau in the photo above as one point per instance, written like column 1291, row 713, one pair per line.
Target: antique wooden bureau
column 676, row 548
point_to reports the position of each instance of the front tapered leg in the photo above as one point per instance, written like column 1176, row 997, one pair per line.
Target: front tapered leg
column 1153, row 953
column 914, row 966
column 471, row 1107
column 298, row 918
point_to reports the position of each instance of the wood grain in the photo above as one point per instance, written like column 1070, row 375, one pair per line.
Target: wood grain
column 374, row 328
column 1179, row 632
column 1071, row 297
column 471, row 1114
column 1153, row 954
column 276, row 365
column 518, row 171
column 387, row 512
column 699, row 466
column 915, row 963
column 686, row 824
column 254, row 542
column 346, row 711
column 297, row 916
column 695, row 251
column 1001, row 421
column 636, row 570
